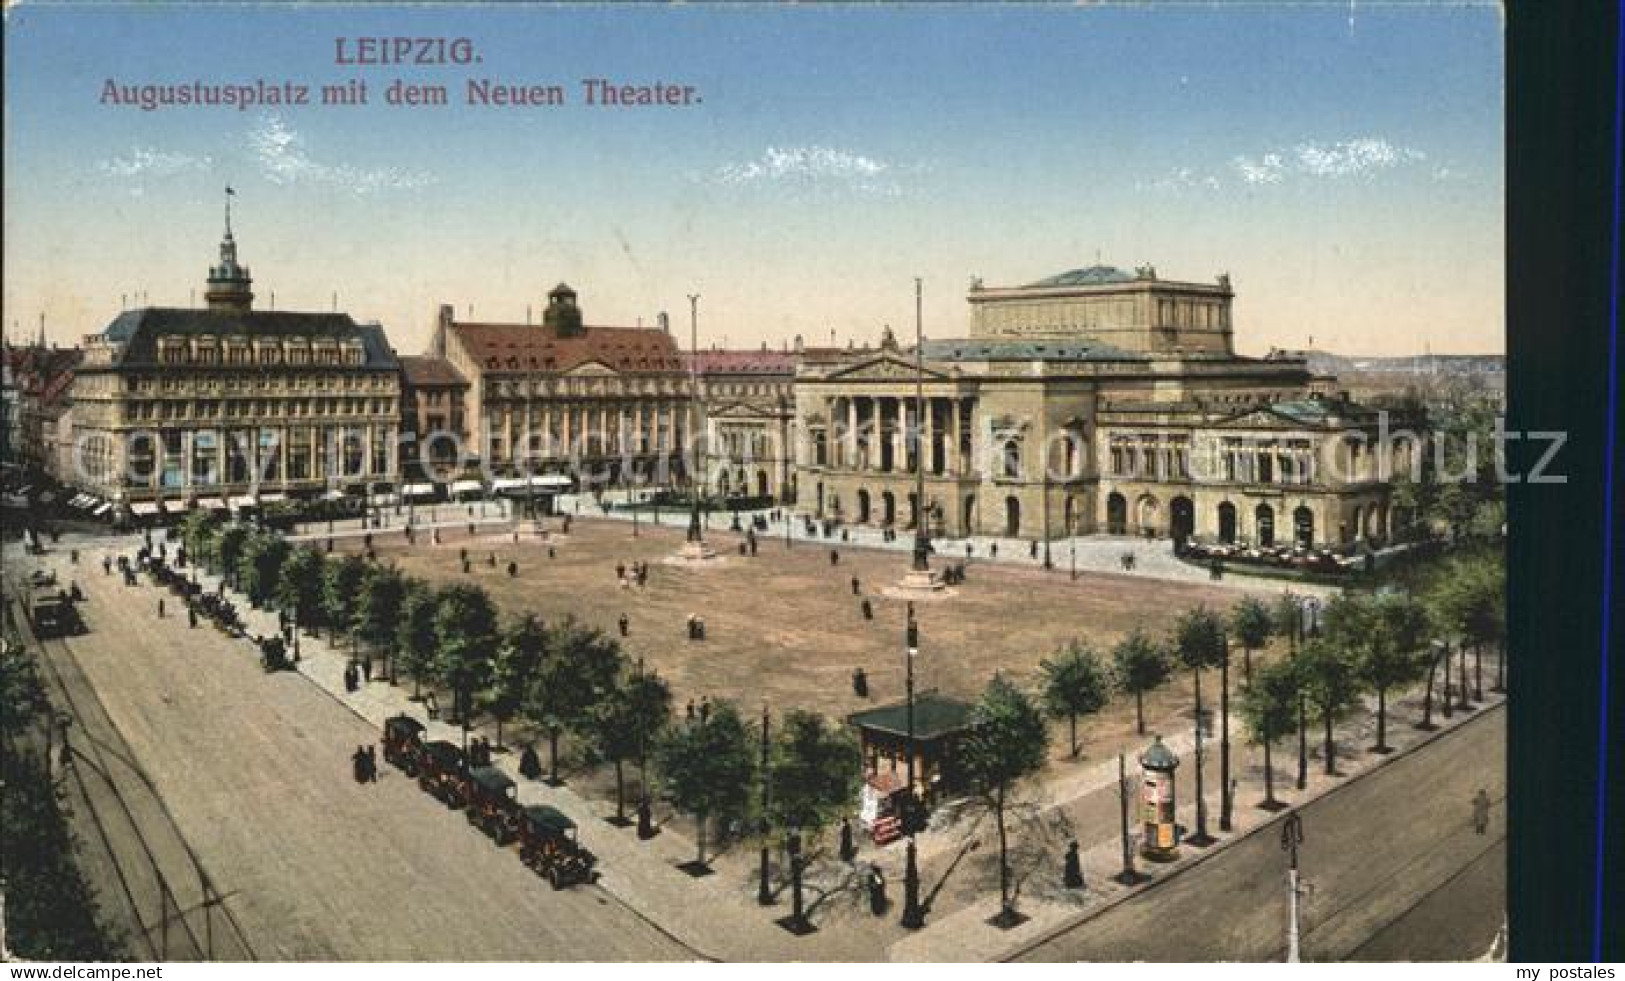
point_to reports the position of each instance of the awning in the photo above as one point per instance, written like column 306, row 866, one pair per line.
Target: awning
column 211, row 504
column 144, row 508
column 467, row 487
column 333, row 495
column 272, row 498
column 550, row 480
column 507, row 483
column 383, row 499
column 102, row 510
column 418, row 490
column 242, row 501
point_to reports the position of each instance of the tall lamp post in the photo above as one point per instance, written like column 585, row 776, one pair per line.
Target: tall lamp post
column 1291, row 838
column 764, row 891
column 920, row 578
column 695, row 534
column 913, row 914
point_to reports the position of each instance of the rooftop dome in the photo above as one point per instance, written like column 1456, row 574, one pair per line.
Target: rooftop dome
column 1158, row 756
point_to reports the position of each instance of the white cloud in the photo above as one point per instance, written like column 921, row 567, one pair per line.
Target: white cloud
column 283, row 159
column 1267, row 169
column 1353, row 158
column 150, row 162
column 811, row 166
column 1361, row 157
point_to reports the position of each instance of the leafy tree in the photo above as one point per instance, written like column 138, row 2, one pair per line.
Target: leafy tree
column 466, row 642
column 1328, row 680
column 228, row 549
column 813, row 771
column 624, row 723
column 1393, row 653
column 1007, row 742
column 340, row 589
column 581, row 666
column 1269, row 709
column 378, row 612
column 650, row 714
column 518, row 664
column 1141, row 664
column 707, row 767
column 1074, row 684
column 416, row 642
column 259, row 567
column 299, row 586
column 1284, row 617
column 199, row 531
column 1199, row 643
column 1252, row 624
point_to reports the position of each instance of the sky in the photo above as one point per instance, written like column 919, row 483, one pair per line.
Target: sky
column 1342, row 162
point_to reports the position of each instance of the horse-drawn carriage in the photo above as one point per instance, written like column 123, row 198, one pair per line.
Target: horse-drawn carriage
column 440, row 773
column 548, row 844
column 493, row 803
column 403, row 743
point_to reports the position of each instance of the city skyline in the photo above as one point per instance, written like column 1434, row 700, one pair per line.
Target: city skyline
column 1344, row 167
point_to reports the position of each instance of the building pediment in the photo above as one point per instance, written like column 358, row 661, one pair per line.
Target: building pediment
column 591, row 369
column 1263, row 418
column 885, row 367
column 738, row 410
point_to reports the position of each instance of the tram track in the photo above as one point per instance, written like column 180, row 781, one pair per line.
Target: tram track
column 97, row 747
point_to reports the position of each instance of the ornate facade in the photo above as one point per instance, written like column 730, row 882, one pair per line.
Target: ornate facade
column 1096, row 401
column 748, row 397
column 604, row 406
column 232, row 405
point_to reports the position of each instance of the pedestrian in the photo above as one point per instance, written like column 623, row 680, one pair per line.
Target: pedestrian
column 860, row 683
column 530, row 764
column 877, row 891
column 366, row 669
column 620, row 572
column 550, row 552
column 624, row 624
column 993, row 550
column 1032, row 550
column 191, row 617
column 465, row 566
column 690, row 710
column 857, row 587
column 868, row 609
column 834, row 557
column 705, row 708
column 513, row 569
column 372, row 763
column 646, row 829
column 107, row 566
column 73, row 556
column 1481, row 812
column 849, row 850
column 1072, row 877
column 160, row 609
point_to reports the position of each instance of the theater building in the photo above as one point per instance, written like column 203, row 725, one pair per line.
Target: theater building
column 1096, row 401
column 232, row 406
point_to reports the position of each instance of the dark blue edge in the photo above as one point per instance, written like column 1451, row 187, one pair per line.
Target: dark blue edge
column 1610, row 442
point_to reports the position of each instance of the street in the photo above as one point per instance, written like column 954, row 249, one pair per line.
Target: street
column 1374, row 852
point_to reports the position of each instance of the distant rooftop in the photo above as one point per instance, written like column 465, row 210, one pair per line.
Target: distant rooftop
column 1091, row 276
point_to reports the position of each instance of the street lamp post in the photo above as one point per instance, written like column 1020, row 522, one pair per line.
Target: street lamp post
column 1201, row 839
column 922, row 544
column 695, row 534
column 764, row 891
column 1226, row 798
column 913, row 914
column 1291, row 838
column 1129, row 876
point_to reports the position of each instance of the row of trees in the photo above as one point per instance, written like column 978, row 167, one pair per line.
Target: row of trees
column 561, row 678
